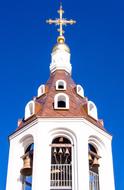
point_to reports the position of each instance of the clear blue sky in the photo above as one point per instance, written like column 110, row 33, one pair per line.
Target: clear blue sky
column 97, row 48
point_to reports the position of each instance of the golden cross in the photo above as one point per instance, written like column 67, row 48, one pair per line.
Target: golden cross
column 61, row 21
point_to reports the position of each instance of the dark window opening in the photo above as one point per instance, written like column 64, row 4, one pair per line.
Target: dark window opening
column 61, row 104
column 93, row 159
column 60, row 86
column 93, row 167
column 61, row 154
column 30, row 148
column 61, row 140
column 27, row 169
column 91, row 148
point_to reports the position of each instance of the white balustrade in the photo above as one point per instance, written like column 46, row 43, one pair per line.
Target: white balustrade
column 94, row 181
column 61, row 176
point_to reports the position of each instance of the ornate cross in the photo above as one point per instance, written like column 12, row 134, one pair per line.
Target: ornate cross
column 61, row 21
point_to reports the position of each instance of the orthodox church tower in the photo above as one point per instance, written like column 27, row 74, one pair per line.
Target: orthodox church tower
column 60, row 144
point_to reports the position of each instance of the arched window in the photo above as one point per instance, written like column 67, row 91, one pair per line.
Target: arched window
column 61, row 101
column 29, row 109
column 32, row 108
column 92, row 110
column 60, row 85
column 26, row 171
column 61, row 163
column 80, row 90
column 41, row 90
column 93, row 167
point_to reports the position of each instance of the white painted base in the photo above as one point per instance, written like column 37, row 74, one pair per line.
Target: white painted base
column 42, row 132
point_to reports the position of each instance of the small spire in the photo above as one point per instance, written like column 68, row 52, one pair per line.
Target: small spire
column 61, row 22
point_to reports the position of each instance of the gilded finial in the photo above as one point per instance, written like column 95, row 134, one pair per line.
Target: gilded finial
column 61, row 22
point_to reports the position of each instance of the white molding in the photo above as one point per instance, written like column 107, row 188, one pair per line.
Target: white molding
column 61, row 120
column 23, row 129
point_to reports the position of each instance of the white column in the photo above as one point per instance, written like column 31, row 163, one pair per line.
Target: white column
column 106, row 175
column 41, row 164
column 83, row 165
column 14, row 180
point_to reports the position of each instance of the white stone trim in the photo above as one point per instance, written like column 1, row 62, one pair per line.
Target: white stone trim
column 60, row 120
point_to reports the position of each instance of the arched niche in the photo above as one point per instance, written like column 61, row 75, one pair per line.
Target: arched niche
column 32, row 108
column 27, row 168
column 92, row 110
column 29, row 109
column 80, row 90
column 61, row 101
column 41, row 90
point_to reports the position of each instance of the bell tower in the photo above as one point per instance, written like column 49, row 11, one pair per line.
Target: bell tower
column 60, row 144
